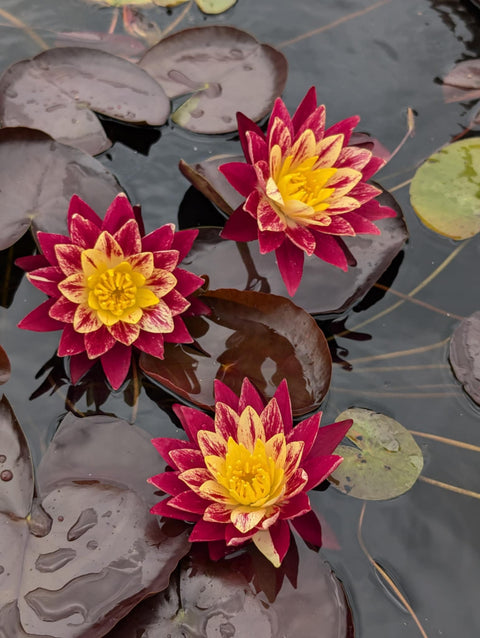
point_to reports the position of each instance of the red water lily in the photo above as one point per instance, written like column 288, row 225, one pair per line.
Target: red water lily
column 110, row 288
column 304, row 188
column 244, row 475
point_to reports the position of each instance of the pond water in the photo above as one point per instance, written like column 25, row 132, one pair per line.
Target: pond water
column 375, row 60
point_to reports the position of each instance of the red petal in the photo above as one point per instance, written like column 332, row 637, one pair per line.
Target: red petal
column 328, row 249
column 165, row 259
column 63, row 310
column 217, row 513
column 329, row 436
column 180, row 333
column 282, row 397
column 39, row 319
column 163, row 509
column 296, row 506
column 183, row 242
column 190, row 502
column 245, row 124
column 276, row 547
column 249, row 396
column 116, row 363
column 71, row 342
column 361, row 225
column 47, row 242
column 271, row 418
column 46, row 280
column 318, row 468
column 241, row 176
column 374, row 165
column 168, row 482
column 345, row 128
column 78, row 206
column 364, row 192
column 165, row 445
column 193, row 421
column 279, row 112
column 240, row 226
column 306, row 107
column 269, row 240
column 267, row 217
column 373, row 211
column 98, row 343
column 226, row 421
column 290, row 264
column 128, row 236
column 257, row 147
column 279, row 132
column 83, row 232
column 187, row 459
column 206, row 531
column 302, row 238
column 69, row 258
column 309, row 528
column 159, row 239
column 176, row 302
column 126, row 333
column 79, row 365
column 223, row 394
column 151, row 343
column 31, row 262
column 306, row 431
column 315, row 122
column 118, row 213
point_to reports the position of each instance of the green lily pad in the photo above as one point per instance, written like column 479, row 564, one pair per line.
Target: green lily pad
column 385, row 461
column 445, row 191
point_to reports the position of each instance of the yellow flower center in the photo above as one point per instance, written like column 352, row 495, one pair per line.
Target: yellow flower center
column 115, row 291
column 304, row 183
column 251, row 478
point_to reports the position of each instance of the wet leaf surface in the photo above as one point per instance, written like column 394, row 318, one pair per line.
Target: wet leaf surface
column 462, row 83
column 324, row 289
column 445, row 190
column 58, row 90
column 5, row 368
column 264, row 337
column 214, row 64
column 123, row 45
column 385, row 461
column 465, row 355
column 91, row 549
column 244, row 597
column 38, row 178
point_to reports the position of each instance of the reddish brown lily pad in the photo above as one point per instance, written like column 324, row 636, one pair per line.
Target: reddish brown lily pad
column 324, row 289
column 214, row 64
column 465, row 355
column 462, row 83
column 248, row 334
column 237, row 598
column 90, row 550
column 5, row 368
column 38, row 178
column 58, row 90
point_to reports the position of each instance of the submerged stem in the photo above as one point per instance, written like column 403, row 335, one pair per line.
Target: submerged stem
column 24, row 27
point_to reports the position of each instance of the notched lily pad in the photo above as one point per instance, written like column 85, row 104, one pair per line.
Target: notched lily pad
column 384, row 462
column 38, row 178
column 247, row 334
column 58, row 90
column 5, row 368
column 214, row 64
column 445, row 191
column 237, row 598
column 89, row 551
column 465, row 355
column 324, row 289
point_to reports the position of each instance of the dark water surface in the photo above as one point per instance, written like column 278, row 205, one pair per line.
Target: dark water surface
column 376, row 65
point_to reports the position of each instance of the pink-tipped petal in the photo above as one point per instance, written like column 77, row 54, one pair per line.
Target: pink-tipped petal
column 128, row 238
column 319, row 468
column 47, row 280
column 309, row 528
column 99, row 342
column 329, row 437
column 296, row 506
column 189, row 502
column 48, row 242
column 344, row 127
column 193, row 421
column 290, row 264
column 272, row 419
column 306, row 107
column 361, row 225
column 159, row 239
column 315, row 122
column 282, row 397
column 244, row 125
column 226, row 420
column 168, row 482
column 116, row 363
column 206, row 531
column 151, row 343
column 31, row 262
column 163, row 508
column 249, row 396
column 330, row 250
column 223, row 394
column 165, row 446
column 180, row 332
column 183, row 242
column 217, row 513
column 306, row 431
column 63, row 310
column 187, row 459
column 78, row 207
column 39, row 319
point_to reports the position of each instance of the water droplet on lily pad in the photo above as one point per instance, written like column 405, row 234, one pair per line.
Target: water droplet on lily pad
column 384, row 461
column 445, row 191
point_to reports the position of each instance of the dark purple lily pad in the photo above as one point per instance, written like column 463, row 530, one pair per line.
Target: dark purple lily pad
column 121, row 44
column 90, row 550
column 233, row 598
column 247, row 334
column 58, row 90
column 5, row 368
column 462, row 83
column 465, row 355
column 215, row 63
column 324, row 289
column 38, row 178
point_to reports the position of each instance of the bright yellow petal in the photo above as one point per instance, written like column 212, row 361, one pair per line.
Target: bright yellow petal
column 145, row 297
column 264, row 544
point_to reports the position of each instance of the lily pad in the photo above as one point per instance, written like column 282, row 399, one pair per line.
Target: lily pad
column 89, row 551
column 462, row 83
column 214, row 64
column 233, row 598
column 5, row 368
column 58, row 90
column 247, row 334
column 38, row 178
column 384, row 462
column 324, row 289
column 465, row 355
column 445, row 191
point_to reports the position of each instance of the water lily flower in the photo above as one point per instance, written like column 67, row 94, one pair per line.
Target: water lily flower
column 304, row 186
column 244, row 475
column 111, row 288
